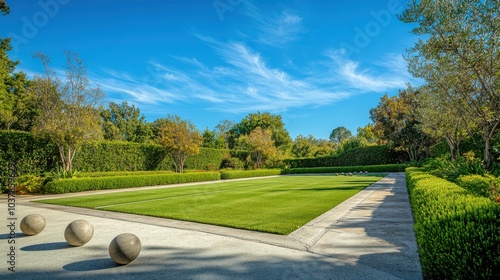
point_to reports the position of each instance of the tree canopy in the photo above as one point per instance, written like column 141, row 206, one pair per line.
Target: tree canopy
column 180, row 138
column 68, row 105
column 395, row 121
column 124, row 122
column 458, row 54
column 260, row 145
column 339, row 134
column 4, row 8
column 266, row 120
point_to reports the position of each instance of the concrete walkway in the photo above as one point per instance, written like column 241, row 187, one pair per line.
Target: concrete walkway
column 369, row 236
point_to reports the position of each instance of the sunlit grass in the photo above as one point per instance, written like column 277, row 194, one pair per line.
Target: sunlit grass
column 276, row 205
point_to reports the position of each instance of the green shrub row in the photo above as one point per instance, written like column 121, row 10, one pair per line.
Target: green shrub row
column 118, row 182
column 249, row 173
column 458, row 233
column 121, row 173
column 370, row 155
column 338, row 169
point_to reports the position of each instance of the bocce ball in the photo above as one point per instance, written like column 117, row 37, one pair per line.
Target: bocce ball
column 124, row 248
column 32, row 224
column 78, row 232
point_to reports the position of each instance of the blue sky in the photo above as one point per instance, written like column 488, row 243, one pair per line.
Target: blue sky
column 320, row 64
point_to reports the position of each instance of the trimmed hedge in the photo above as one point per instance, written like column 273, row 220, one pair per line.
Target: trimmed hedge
column 458, row 233
column 207, row 159
column 337, row 169
column 118, row 182
column 104, row 156
column 249, row 173
column 370, row 155
column 121, row 173
column 29, row 154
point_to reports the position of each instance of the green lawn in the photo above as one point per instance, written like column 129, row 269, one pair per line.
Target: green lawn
column 276, row 205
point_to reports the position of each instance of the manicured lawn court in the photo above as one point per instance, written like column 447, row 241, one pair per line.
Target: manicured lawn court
column 276, row 205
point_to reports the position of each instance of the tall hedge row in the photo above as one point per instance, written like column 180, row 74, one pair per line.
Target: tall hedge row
column 29, row 155
column 370, row 155
column 458, row 233
column 126, row 156
column 118, row 156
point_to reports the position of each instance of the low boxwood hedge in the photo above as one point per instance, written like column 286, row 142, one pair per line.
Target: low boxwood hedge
column 117, row 182
column 249, row 173
column 338, row 169
column 458, row 233
column 120, row 173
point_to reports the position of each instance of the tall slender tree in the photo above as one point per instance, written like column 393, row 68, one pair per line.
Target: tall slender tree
column 69, row 113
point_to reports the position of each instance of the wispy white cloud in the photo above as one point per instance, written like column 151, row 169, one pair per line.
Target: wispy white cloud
column 275, row 29
column 243, row 81
column 350, row 74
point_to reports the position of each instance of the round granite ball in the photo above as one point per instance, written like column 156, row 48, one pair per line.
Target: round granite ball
column 124, row 248
column 78, row 232
column 32, row 224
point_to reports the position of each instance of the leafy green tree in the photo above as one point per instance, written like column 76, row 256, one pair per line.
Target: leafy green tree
column 68, row 107
column 395, row 121
column 440, row 118
column 458, row 52
column 4, row 8
column 223, row 130
column 367, row 133
column 124, row 122
column 180, row 138
column 322, row 147
column 302, row 146
column 212, row 140
column 280, row 136
column 310, row 147
column 17, row 109
column 339, row 134
column 260, row 145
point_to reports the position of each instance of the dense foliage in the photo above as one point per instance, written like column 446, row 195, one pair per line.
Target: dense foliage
column 347, row 169
column 458, row 233
column 369, row 155
column 27, row 154
column 249, row 173
column 118, row 182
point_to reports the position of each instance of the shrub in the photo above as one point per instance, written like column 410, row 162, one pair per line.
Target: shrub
column 29, row 184
column 249, row 173
column 232, row 163
column 337, row 169
column 370, row 155
column 121, row 173
column 458, row 234
column 486, row 186
column 448, row 169
column 117, row 182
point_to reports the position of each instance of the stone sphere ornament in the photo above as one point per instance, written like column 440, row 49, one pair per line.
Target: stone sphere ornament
column 124, row 248
column 32, row 224
column 78, row 233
